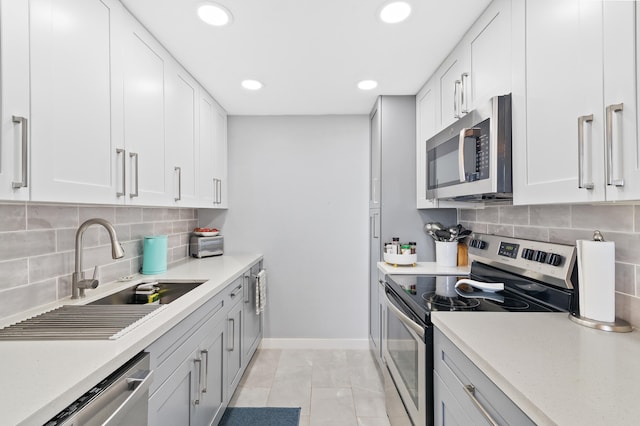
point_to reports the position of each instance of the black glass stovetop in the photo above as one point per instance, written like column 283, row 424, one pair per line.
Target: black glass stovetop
column 426, row 293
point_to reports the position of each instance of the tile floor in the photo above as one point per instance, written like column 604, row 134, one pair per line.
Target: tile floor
column 332, row 387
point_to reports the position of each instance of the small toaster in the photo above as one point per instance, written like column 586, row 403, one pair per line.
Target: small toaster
column 206, row 246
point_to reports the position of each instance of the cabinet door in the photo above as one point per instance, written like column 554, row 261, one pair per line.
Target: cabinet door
column 375, row 156
column 252, row 320
column 546, row 107
column 426, row 107
column 490, row 47
column 181, row 110
column 207, row 184
column 620, row 79
column 14, row 86
column 72, row 142
column 174, row 402
column 234, row 346
column 213, row 398
column 143, row 103
column 220, row 156
column 453, row 79
column 446, row 409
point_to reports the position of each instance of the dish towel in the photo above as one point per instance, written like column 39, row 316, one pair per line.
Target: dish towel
column 261, row 291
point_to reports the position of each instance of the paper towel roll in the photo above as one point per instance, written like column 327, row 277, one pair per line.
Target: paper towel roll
column 596, row 277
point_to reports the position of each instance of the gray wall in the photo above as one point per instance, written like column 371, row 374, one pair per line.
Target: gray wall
column 298, row 190
column 568, row 223
column 37, row 247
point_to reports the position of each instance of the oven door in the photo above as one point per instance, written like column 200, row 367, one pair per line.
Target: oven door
column 405, row 361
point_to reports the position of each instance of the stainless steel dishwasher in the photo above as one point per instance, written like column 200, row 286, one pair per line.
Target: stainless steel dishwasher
column 120, row 399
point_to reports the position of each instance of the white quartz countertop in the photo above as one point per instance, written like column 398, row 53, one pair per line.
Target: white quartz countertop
column 423, row 268
column 558, row 372
column 41, row 378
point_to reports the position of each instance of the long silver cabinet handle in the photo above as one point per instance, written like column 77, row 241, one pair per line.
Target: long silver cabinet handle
column 124, row 173
column 236, row 291
column 199, row 363
column 215, row 191
column 137, row 175
column 232, row 346
column 24, row 124
column 611, row 109
column 581, row 122
column 456, row 111
column 179, row 170
column 463, row 90
column 204, row 353
column 247, row 278
column 219, row 191
column 471, row 392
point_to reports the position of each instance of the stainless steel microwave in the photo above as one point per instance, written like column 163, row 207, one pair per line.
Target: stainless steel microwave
column 471, row 159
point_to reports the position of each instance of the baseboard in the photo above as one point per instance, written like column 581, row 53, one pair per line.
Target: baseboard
column 314, row 344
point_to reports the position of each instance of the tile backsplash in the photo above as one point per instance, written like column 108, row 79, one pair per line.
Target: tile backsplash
column 565, row 224
column 37, row 246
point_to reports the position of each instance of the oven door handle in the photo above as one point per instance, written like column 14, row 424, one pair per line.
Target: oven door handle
column 417, row 328
column 465, row 133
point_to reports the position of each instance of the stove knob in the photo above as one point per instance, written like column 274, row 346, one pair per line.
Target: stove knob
column 482, row 245
column 554, row 259
column 539, row 256
column 527, row 254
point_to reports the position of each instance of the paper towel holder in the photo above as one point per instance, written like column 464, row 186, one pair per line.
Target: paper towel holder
column 619, row 326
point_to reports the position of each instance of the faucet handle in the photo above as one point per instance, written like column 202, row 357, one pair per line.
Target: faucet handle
column 95, row 272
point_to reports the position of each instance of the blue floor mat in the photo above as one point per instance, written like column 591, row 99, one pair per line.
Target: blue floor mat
column 260, row 416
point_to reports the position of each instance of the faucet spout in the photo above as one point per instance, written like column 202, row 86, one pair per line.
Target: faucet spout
column 78, row 282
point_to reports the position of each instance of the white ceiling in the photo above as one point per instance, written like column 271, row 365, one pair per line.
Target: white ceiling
column 308, row 53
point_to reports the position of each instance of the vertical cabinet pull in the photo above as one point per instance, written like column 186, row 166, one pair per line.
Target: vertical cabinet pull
column 611, row 109
column 123, row 192
column 456, row 87
column 205, row 353
column 231, row 347
column 581, row 165
column 24, row 126
column 247, row 298
column 470, row 390
column 199, row 363
column 215, row 191
column 219, row 191
column 179, row 170
column 464, row 104
column 134, row 155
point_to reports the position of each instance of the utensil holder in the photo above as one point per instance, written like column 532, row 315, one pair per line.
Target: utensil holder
column 447, row 253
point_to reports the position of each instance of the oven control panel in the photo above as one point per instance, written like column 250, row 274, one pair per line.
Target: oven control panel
column 537, row 259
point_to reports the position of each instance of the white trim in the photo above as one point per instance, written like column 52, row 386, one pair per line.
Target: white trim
column 314, row 344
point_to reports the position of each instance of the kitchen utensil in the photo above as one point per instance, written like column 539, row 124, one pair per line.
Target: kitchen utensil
column 443, row 235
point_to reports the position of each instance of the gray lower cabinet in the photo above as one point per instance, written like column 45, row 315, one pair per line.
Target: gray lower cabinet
column 234, row 337
column 198, row 363
column 252, row 331
column 464, row 395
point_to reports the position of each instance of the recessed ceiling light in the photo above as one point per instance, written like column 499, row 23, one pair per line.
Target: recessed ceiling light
column 252, row 84
column 214, row 14
column 395, row 12
column 367, row 84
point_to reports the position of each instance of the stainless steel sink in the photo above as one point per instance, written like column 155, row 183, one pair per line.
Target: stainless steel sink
column 169, row 291
column 103, row 319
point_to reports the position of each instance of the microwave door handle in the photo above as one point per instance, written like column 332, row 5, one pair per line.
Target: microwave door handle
column 465, row 133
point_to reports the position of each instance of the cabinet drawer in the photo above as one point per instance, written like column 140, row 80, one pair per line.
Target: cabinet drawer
column 457, row 371
column 169, row 350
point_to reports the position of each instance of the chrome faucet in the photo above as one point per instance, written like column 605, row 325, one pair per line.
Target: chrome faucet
column 78, row 282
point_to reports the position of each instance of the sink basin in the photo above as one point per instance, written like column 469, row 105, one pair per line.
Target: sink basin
column 169, row 291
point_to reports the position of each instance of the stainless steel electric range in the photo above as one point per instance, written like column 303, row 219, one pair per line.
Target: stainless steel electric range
column 536, row 276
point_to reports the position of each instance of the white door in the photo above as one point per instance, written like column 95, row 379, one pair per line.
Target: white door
column 453, row 80
column 71, row 136
column 426, row 103
column 14, row 87
column 144, row 117
column 563, row 81
column 181, row 135
column 207, row 184
column 620, row 95
column 220, row 162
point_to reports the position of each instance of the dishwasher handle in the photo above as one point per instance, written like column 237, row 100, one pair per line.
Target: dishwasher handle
column 138, row 384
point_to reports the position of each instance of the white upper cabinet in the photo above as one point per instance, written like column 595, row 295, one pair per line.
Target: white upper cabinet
column 141, row 156
column 426, row 127
column 453, row 79
column 14, row 87
column 72, row 141
column 182, row 146
column 220, row 156
column 574, row 102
